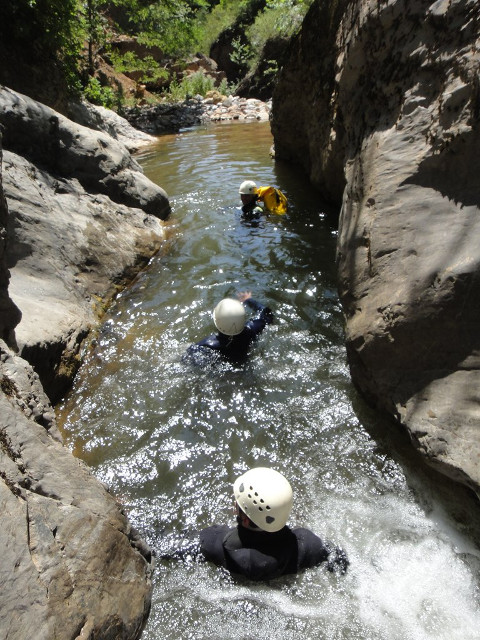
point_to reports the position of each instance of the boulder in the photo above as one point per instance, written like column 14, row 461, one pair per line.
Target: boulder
column 83, row 220
column 385, row 104
column 72, row 567
column 68, row 150
column 102, row 119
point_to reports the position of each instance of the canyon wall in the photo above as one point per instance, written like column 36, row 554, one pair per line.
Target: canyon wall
column 379, row 102
column 78, row 219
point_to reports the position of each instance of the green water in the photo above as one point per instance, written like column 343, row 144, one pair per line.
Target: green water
column 170, row 439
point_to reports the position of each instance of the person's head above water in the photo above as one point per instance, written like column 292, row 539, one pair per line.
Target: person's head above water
column 229, row 316
column 248, row 191
column 265, row 497
column 248, row 187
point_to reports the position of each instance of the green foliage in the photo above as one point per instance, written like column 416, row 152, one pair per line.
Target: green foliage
column 196, row 84
column 42, row 29
column 171, row 25
column 97, row 94
column 242, row 52
column 54, row 32
column 150, row 69
column 226, row 88
column 217, row 20
column 280, row 17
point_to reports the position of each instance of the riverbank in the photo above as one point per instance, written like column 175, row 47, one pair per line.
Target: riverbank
column 171, row 117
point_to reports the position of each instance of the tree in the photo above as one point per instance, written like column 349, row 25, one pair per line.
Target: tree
column 39, row 37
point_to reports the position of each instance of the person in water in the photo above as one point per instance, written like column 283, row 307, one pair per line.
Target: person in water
column 235, row 334
column 251, row 209
column 262, row 546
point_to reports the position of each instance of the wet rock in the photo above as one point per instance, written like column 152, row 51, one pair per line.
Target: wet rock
column 382, row 110
column 71, row 567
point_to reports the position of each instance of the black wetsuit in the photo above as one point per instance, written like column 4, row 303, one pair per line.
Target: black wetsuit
column 252, row 211
column 260, row 555
column 232, row 348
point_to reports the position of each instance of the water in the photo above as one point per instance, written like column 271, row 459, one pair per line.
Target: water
column 170, row 440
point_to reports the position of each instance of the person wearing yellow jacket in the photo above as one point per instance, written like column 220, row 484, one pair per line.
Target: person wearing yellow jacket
column 273, row 199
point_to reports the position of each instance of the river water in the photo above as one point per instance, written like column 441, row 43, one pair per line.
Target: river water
column 169, row 439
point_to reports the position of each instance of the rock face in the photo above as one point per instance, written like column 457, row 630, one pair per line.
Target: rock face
column 9, row 314
column 71, row 565
column 385, row 97
column 260, row 81
column 83, row 219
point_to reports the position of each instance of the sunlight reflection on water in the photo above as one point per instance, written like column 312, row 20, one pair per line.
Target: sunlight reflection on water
column 170, row 439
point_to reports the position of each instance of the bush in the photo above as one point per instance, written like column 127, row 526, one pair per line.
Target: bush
column 280, row 17
column 148, row 66
column 196, row 84
column 97, row 94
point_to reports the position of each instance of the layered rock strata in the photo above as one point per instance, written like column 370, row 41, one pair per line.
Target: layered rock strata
column 380, row 103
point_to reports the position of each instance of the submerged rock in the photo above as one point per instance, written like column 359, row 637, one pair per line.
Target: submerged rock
column 380, row 103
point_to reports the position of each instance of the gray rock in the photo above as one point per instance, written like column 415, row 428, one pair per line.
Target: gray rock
column 385, row 106
column 68, row 150
column 101, row 119
column 9, row 313
column 78, row 229
column 71, row 567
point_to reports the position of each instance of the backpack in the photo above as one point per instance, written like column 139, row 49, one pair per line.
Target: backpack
column 274, row 199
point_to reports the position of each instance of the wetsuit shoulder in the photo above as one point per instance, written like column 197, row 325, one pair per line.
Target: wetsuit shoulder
column 311, row 549
column 211, row 543
column 259, row 555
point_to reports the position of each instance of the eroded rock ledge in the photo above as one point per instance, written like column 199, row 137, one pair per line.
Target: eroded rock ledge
column 380, row 103
column 82, row 220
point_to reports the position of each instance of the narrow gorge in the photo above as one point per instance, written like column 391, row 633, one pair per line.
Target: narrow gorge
column 378, row 103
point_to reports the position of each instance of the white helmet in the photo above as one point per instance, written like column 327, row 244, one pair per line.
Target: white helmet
column 248, row 187
column 265, row 496
column 229, row 317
